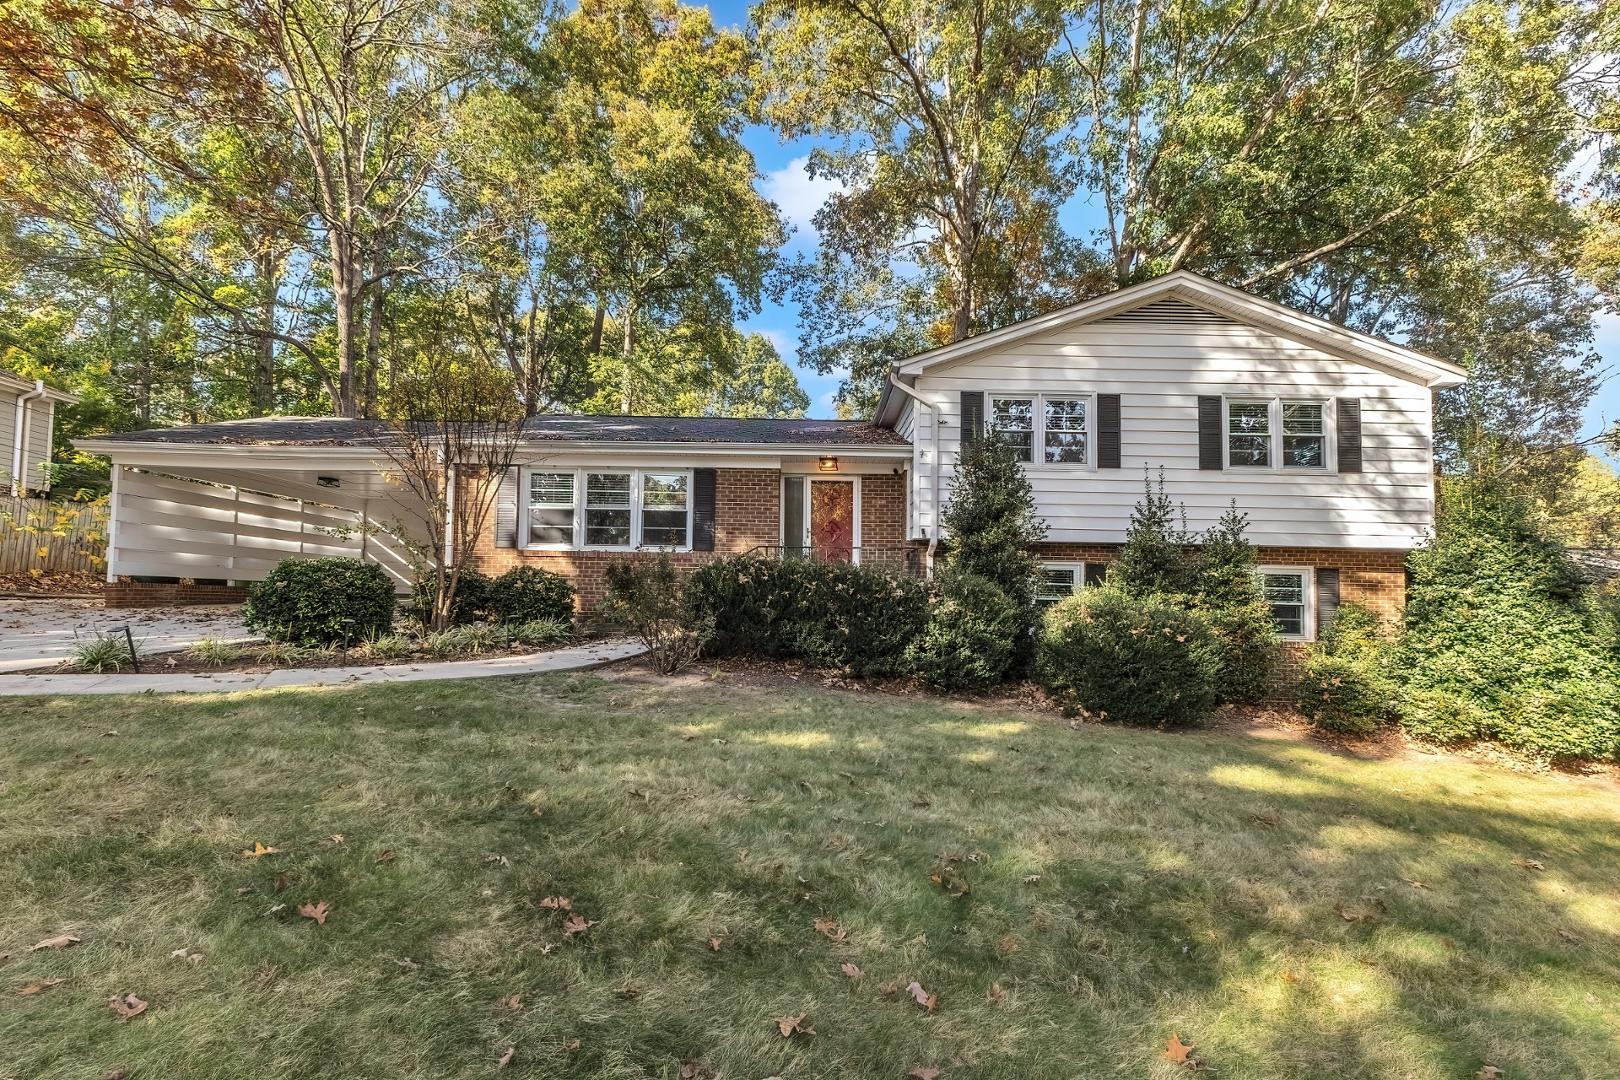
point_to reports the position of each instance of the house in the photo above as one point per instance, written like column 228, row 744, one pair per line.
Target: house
column 27, row 413
column 1320, row 434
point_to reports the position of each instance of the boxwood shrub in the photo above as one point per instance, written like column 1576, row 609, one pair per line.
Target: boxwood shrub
column 1134, row 659
column 969, row 641
column 831, row 614
column 1345, row 683
column 470, row 602
column 331, row 601
column 527, row 594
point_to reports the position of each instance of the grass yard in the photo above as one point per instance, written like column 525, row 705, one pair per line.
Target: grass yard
column 1287, row 911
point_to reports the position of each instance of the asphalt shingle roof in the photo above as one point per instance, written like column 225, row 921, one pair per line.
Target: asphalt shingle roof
column 326, row 431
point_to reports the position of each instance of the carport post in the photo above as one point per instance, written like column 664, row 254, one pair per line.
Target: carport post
column 114, row 504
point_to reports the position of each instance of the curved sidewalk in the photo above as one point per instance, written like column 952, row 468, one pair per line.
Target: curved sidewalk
column 574, row 658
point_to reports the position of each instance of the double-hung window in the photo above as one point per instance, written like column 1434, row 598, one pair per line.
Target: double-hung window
column 664, row 506
column 1287, row 591
column 1265, row 433
column 1061, row 580
column 607, row 509
column 551, row 509
column 1047, row 428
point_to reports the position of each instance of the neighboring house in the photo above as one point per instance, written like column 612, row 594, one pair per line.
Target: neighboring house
column 27, row 413
column 1320, row 434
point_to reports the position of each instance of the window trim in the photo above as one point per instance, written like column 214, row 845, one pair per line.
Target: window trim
column 526, row 488
column 1037, row 447
column 1307, row 575
column 579, row 473
column 1274, row 407
column 1079, row 568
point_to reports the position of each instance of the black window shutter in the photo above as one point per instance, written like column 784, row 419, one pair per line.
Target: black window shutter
column 703, row 509
column 1349, row 435
column 506, row 500
column 1327, row 596
column 972, row 415
column 1209, row 432
column 1107, row 431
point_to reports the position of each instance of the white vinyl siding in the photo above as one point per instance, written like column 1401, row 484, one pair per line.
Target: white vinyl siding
column 1160, row 370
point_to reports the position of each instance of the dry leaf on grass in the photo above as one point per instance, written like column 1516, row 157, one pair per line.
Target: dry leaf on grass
column 37, row 987
column 790, row 1026
column 924, row 1072
column 851, row 970
column 336, row 838
column 515, row 1002
column 829, row 929
column 576, row 924
column 1490, row 1072
column 116, row 1074
column 259, row 851
column 695, row 1070
column 922, row 997
column 318, row 912
column 1529, row 864
column 385, row 856
column 557, row 903
column 506, row 1058
column 714, row 944
column 571, row 1045
column 995, row 994
column 1177, row 1051
column 1353, row 915
column 127, row 1006
column 60, row 941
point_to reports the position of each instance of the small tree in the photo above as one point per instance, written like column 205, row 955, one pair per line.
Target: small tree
column 1157, row 556
column 452, row 432
column 1226, row 590
column 993, row 527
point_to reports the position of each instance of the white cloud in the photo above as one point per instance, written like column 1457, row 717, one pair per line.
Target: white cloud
column 799, row 196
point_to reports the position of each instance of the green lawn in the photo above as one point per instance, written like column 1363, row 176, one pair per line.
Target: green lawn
column 1288, row 911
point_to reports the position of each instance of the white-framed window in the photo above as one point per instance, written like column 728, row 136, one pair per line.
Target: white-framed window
column 551, row 509
column 1278, row 433
column 1062, row 578
column 608, row 509
column 1046, row 429
column 1288, row 590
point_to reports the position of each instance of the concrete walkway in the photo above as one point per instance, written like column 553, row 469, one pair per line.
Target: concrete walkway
column 35, row 633
column 574, row 658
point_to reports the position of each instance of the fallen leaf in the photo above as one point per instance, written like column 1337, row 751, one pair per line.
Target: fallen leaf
column 37, row 987
column 1416, row 884
column 557, row 903
column 385, row 856
column 1176, row 1050
column 318, row 912
column 1032, row 879
column 1289, row 977
column 790, row 1026
column 336, row 838
column 127, row 1006
column 851, row 970
column 1352, row 915
column 571, row 1045
column 259, row 851
column 629, row 991
column 1529, row 864
column 1490, row 1072
column 506, row 1058
column 949, row 878
column 714, row 944
column 1567, row 936
column 515, row 1002
column 576, row 924
column 995, row 994
column 924, row 1072
column 60, row 941
column 922, row 997
column 117, row 1074
column 695, row 1070
column 889, row 989
column 830, row 929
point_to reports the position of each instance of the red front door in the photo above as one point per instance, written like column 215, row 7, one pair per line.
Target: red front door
column 832, row 520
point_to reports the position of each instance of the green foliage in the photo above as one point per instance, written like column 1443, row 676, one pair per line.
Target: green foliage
column 100, row 654
column 1503, row 638
column 834, row 614
column 1157, row 557
column 331, row 601
column 992, row 527
column 1135, row 659
column 526, row 594
column 648, row 598
column 213, row 652
column 539, row 633
column 386, row 647
column 470, row 604
column 969, row 638
column 1345, row 682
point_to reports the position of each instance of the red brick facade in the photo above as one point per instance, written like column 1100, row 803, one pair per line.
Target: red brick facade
column 141, row 594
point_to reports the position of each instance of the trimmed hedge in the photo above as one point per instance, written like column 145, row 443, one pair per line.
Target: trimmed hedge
column 970, row 638
column 331, row 601
column 1133, row 659
column 472, row 597
column 832, row 614
column 1345, row 683
column 527, row 594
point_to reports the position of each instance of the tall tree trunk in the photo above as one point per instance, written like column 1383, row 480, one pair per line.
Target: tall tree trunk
column 263, row 391
column 627, row 354
column 345, row 284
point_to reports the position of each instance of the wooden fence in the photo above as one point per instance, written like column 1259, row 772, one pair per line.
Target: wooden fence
column 52, row 537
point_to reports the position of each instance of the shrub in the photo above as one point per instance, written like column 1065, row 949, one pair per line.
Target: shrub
column 1137, row 660
column 321, row 602
column 1439, row 716
column 283, row 654
column 528, row 593
column 1345, row 683
column 969, row 637
column 647, row 599
column 1227, row 592
column 213, row 652
column 833, row 614
column 538, row 633
column 100, row 654
column 469, row 640
column 386, row 647
column 468, row 606
column 1157, row 557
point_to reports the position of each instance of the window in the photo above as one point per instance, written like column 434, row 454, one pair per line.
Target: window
column 1285, row 591
column 551, row 509
column 1014, row 418
column 1064, row 428
column 1061, row 580
column 1248, row 433
column 607, row 509
column 663, row 509
column 1303, row 437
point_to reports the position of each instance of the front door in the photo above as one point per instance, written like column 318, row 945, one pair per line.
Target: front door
column 832, row 520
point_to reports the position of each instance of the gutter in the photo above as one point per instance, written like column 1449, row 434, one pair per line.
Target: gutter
column 19, row 437
column 933, row 411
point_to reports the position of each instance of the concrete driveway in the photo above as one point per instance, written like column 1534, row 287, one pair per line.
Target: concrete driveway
column 34, row 633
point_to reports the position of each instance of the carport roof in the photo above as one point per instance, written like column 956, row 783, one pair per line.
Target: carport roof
column 296, row 431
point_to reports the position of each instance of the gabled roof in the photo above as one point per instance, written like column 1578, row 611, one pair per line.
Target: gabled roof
column 1205, row 294
column 294, row 431
column 17, row 384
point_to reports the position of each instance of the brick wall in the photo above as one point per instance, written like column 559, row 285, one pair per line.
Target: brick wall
column 883, row 511
column 139, row 594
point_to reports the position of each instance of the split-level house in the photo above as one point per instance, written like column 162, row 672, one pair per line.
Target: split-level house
column 1321, row 435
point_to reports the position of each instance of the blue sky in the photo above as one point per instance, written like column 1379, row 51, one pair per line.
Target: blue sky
column 785, row 183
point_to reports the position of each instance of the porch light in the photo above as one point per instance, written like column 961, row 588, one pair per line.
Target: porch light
column 327, row 481
column 828, row 464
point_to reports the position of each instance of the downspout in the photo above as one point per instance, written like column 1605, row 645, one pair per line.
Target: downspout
column 933, row 412
column 19, row 474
